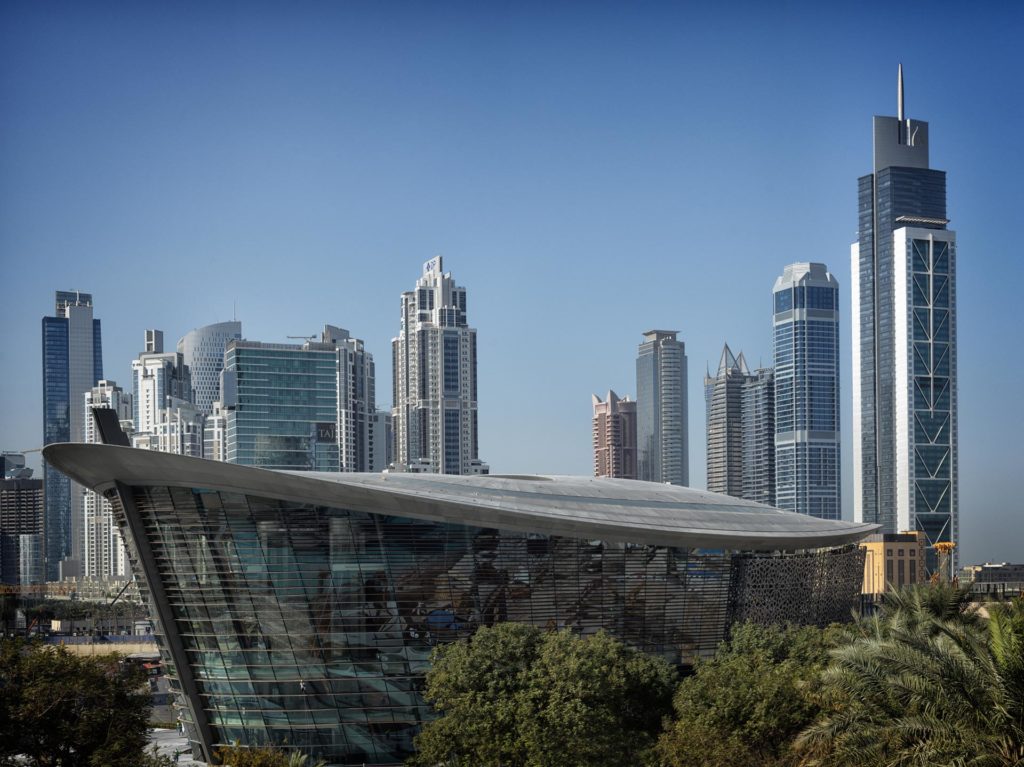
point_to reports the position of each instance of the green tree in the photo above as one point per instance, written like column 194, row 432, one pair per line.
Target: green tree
column 60, row 710
column 745, row 706
column 516, row 696
column 262, row 756
column 929, row 681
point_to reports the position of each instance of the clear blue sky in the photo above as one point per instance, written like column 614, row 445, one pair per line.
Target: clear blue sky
column 588, row 170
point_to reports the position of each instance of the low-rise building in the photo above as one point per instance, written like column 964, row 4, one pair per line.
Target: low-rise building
column 995, row 580
column 893, row 560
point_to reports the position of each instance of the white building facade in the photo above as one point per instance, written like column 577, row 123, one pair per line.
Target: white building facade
column 103, row 553
column 435, row 379
column 203, row 351
column 157, row 375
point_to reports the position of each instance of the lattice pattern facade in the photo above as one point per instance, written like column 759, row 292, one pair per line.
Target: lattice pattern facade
column 815, row 588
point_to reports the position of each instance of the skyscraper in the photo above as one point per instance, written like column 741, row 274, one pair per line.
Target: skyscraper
column 904, row 340
column 663, row 447
column 215, row 435
column 740, row 408
column 157, row 375
column 21, row 523
column 72, row 364
column 381, row 442
column 202, row 350
column 103, row 553
column 614, row 437
column 435, row 395
column 806, row 332
column 723, row 396
column 299, row 406
column 759, row 437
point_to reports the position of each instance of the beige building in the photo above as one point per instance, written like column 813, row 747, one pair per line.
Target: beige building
column 893, row 560
column 614, row 437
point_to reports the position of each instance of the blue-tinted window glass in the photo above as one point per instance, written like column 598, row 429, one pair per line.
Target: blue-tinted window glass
column 784, row 300
column 451, row 363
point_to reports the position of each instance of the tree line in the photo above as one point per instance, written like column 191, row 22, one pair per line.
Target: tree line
column 928, row 680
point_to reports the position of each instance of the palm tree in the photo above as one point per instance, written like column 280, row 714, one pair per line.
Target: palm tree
column 928, row 681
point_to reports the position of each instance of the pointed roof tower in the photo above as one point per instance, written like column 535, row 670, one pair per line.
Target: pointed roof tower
column 726, row 361
column 741, row 364
column 899, row 92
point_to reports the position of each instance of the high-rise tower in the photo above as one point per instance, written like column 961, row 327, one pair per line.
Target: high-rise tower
column 202, row 351
column 806, row 333
column 72, row 364
column 157, row 375
column 663, row 446
column 297, row 406
column 21, row 522
column 759, row 436
column 904, row 340
column 740, row 408
column 434, row 357
column 723, row 396
column 614, row 437
column 103, row 552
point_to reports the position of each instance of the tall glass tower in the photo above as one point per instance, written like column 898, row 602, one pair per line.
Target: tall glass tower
column 72, row 365
column 904, row 340
column 663, row 446
column 806, row 333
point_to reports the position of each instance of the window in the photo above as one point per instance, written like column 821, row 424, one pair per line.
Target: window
column 784, row 300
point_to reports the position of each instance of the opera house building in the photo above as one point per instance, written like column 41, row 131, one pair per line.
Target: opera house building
column 300, row 608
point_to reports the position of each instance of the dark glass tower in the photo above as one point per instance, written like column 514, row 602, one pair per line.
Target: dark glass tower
column 904, row 339
column 72, row 364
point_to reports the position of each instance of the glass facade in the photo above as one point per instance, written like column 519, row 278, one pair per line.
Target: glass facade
column 72, row 364
column 759, row 437
column 311, row 627
column 933, row 376
column 885, row 197
column 807, row 434
column 285, row 414
column 56, row 428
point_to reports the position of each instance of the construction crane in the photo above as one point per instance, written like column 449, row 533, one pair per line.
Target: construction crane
column 943, row 549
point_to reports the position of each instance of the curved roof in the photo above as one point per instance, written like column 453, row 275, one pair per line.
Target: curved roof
column 578, row 507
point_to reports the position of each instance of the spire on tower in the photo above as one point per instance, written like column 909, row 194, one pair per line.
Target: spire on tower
column 899, row 93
